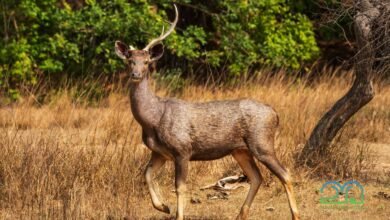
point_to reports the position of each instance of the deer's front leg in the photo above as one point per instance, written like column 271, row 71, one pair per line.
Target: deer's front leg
column 156, row 162
column 181, row 171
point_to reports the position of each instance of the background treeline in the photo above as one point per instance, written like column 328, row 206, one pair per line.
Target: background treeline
column 53, row 39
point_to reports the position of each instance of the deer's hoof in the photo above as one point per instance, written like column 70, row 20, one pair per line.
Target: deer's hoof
column 163, row 208
column 295, row 217
column 243, row 213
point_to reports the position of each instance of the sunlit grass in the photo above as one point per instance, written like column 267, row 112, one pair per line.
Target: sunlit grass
column 68, row 159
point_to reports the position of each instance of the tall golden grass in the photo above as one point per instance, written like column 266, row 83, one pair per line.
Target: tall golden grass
column 66, row 160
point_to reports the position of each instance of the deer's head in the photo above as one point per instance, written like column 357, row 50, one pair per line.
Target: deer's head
column 138, row 61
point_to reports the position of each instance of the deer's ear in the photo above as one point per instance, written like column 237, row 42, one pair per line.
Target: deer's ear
column 156, row 52
column 122, row 50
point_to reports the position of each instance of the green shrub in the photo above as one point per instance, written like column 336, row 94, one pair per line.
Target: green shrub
column 265, row 32
column 51, row 38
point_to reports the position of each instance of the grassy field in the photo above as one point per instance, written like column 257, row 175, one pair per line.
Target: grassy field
column 69, row 160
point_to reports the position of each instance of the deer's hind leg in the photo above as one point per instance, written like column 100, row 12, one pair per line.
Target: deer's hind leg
column 155, row 163
column 276, row 168
column 262, row 147
column 248, row 165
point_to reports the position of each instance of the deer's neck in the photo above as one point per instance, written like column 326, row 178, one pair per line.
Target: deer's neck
column 146, row 107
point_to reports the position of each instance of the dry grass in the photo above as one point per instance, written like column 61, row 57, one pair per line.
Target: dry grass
column 65, row 160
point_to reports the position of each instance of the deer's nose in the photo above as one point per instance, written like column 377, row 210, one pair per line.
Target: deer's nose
column 136, row 74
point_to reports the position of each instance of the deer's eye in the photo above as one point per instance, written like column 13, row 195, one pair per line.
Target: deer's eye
column 132, row 62
column 145, row 62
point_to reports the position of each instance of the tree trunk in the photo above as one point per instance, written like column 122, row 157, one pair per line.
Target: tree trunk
column 358, row 96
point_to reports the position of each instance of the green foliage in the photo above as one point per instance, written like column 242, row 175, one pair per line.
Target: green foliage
column 265, row 32
column 52, row 37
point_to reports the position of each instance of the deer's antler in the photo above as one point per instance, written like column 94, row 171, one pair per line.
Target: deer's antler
column 164, row 35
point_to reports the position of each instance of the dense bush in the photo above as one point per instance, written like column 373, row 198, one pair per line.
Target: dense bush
column 51, row 38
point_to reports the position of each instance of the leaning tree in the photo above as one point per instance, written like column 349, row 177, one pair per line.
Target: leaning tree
column 372, row 31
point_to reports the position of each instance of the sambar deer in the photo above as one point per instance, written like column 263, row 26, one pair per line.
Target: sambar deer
column 183, row 131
